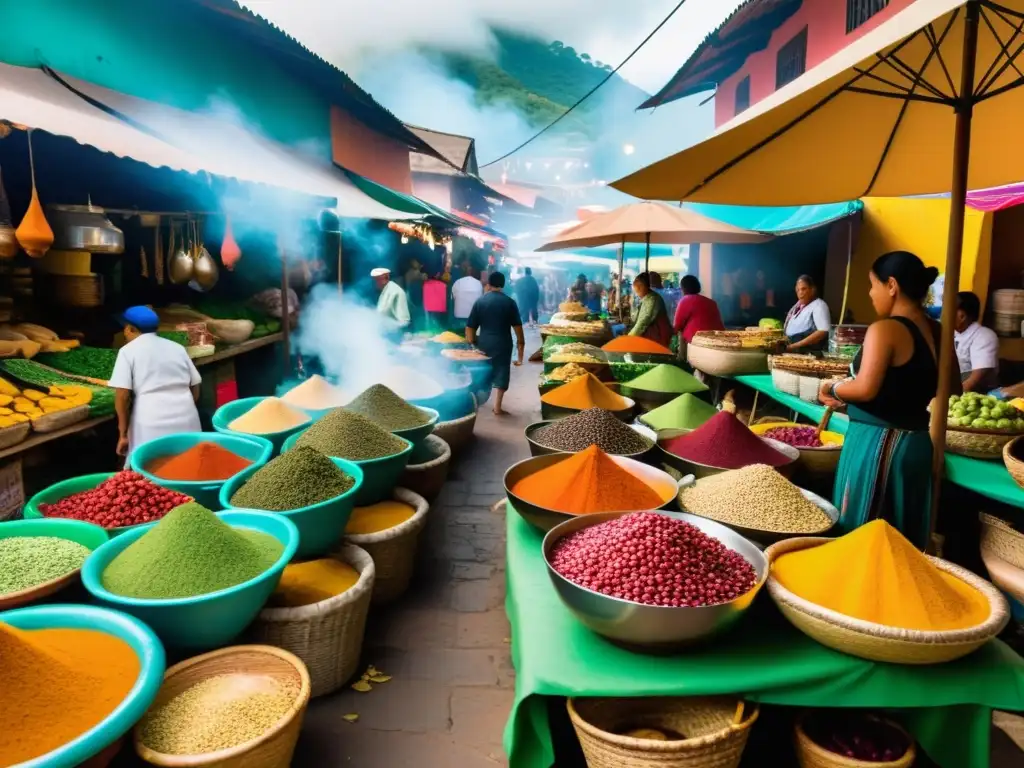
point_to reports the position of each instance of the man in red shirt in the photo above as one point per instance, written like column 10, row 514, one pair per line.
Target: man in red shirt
column 695, row 312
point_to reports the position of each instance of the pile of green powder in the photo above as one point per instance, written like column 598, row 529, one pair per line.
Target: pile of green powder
column 382, row 406
column 26, row 561
column 299, row 478
column 189, row 552
column 684, row 412
column 349, row 435
column 667, row 378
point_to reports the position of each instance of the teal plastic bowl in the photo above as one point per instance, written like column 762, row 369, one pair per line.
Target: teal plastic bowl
column 417, row 435
column 70, row 487
column 322, row 525
column 205, row 621
column 256, row 449
column 380, row 476
column 128, row 712
column 228, row 412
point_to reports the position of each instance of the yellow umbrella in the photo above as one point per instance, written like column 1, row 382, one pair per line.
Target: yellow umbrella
column 925, row 103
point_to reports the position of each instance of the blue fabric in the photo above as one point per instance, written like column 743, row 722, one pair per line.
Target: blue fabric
column 143, row 318
column 778, row 220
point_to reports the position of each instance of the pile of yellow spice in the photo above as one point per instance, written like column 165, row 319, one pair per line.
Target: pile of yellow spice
column 379, row 517
column 313, row 582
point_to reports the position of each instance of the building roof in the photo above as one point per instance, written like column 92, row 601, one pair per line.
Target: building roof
column 748, row 30
column 459, row 151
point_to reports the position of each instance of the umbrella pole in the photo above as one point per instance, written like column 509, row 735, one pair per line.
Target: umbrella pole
column 618, row 287
column 954, row 248
column 647, row 258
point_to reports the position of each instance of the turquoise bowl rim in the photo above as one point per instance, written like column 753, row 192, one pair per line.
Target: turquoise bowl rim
column 31, row 508
column 11, row 529
column 263, row 442
column 351, row 468
column 236, row 518
column 265, row 435
column 152, row 664
column 290, row 443
column 434, row 414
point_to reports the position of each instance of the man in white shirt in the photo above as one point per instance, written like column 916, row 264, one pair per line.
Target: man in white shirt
column 465, row 291
column 392, row 303
column 977, row 347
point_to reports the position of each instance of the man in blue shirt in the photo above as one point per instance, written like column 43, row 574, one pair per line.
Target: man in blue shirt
column 497, row 317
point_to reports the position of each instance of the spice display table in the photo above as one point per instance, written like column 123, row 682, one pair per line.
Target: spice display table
column 948, row 707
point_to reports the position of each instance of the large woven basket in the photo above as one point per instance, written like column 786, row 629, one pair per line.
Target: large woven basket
column 786, row 382
column 727, row 362
column 810, row 755
column 715, row 731
column 394, row 550
column 14, row 434
column 1002, row 540
column 1014, row 465
column 271, row 750
column 977, row 443
column 51, row 422
column 878, row 642
column 327, row 636
column 458, row 433
column 427, row 477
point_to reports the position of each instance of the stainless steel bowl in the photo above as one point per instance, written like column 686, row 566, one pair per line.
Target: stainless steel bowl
column 704, row 470
column 545, row 519
column 648, row 626
column 537, row 449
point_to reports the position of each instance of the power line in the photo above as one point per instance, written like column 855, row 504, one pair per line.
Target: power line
column 592, row 91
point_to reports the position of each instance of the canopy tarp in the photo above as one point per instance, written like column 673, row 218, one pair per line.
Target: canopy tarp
column 778, row 220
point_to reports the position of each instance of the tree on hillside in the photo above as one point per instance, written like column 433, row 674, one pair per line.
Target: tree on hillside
column 585, row 56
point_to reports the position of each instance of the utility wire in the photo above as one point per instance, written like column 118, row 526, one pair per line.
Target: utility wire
column 592, row 91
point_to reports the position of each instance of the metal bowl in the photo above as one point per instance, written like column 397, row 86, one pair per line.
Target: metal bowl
column 653, row 627
column 764, row 538
column 706, row 470
column 554, row 412
column 545, row 519
column 536, row 449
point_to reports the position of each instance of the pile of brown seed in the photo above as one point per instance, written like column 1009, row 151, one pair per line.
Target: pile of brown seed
column 755, row 497
column 594, row 426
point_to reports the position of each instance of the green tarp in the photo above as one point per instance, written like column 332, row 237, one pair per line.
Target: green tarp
column 946, row 706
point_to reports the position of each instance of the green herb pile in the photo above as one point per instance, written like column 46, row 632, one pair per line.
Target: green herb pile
column 178, row 337
column 351, row 436
column 299, row 478
column 628, row 371
column 190, row 552
column 385, row 408
column 221, row 309
column 31, row 372
column 94, row 362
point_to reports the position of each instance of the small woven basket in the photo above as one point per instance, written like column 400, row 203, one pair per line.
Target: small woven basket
column 14, row 434
column 458, row 433
column 394, row 550
column 878, row 642
column 327, row 636
column 1014, row 465
column 999, row 538
column 977, row 443
column 51, row 422
column 810, row 755
column 428, row 477
column 726, row 362
column 715, row 731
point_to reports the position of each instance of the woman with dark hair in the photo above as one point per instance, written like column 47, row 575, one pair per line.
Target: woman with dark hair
column 652, row 316
column 808, row 322
column 885, row 467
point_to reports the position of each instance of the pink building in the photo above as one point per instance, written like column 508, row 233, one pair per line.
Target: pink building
column 765, row 44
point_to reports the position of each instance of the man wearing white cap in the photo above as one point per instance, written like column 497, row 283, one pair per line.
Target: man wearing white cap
column 392, row 303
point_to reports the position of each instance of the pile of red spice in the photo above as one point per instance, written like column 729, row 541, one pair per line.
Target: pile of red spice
column 723, row 442
column 127, row 498
column 203, row 461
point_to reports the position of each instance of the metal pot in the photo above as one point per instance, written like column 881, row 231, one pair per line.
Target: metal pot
column 84, row 228
column 204, row 269
column 181, row 267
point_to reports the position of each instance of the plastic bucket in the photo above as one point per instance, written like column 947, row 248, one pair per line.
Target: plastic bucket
column 70, row 487
column 151, row 673
column 256, row 449
column 380, row 476
column 228, row 412
column 204, row 621
column 320, row 526
column 417, row 435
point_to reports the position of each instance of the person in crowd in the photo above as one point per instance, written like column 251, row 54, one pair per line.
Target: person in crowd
column 492, row 321
column 885, row 467
column 528, row 296
column 465, row 291
column 652, row 317
column 578, row 290
column 695, row 312
column 392, row 303
column 155, row 382
column 414, row 279
column 808, row 322
column 595, row 293
column 977, row 347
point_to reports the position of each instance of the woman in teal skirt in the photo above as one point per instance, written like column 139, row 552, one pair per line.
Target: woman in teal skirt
column 885, row 467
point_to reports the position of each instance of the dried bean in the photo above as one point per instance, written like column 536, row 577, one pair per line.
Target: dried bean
column 594, row 426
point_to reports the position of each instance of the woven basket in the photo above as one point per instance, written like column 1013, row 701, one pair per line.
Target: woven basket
column 810, row 755
column 458, row 433
column 51, row 422
column 1014, row 465
column 394, row 550
column 428, row 477
column 977, row 443
column 713, row 737
column 786, row 381
column 14, row 434
column 327, row 636
column 999, row 538
column 808, row 388
column 271, row 750
column 878, row 642
column 727, row 362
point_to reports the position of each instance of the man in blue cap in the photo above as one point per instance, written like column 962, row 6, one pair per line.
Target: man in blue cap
column 156, row 384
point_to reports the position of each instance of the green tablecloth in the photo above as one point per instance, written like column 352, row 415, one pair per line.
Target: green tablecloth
column 948, row 706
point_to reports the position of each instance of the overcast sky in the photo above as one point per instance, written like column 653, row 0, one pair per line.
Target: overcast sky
column 606, row 29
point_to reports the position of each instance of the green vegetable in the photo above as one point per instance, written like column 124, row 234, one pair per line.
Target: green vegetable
column 299, row 478
column 628, row 371
column 178, row 337
column 31, row 372
column 94, row 362
column 27, row 561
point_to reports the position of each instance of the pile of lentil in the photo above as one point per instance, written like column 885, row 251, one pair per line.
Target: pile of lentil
column 384, row 407
column 299, row 478
column 755, row 497
column 27, row 561
column 653, row 559
column 218, row 713
column 126, row 498
column 594, row 426
column 190, row 552
column 349, row 435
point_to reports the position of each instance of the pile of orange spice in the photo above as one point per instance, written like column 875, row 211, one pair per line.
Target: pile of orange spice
column 587, row 482
column 585, row 392
column 203, row 461
column 637, row 345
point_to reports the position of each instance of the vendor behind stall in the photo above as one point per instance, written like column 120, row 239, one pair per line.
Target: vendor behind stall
column 977, row 347
column 652, row 317
column 157, row 385
column 808, row 322
column 392, row 302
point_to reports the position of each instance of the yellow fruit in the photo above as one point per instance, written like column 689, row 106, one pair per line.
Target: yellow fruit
column 50, row 404
column 6, row 411
column 5, row 400
column 34, row 395
column 36, row 332
column 23, row 405
column 6, row 388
